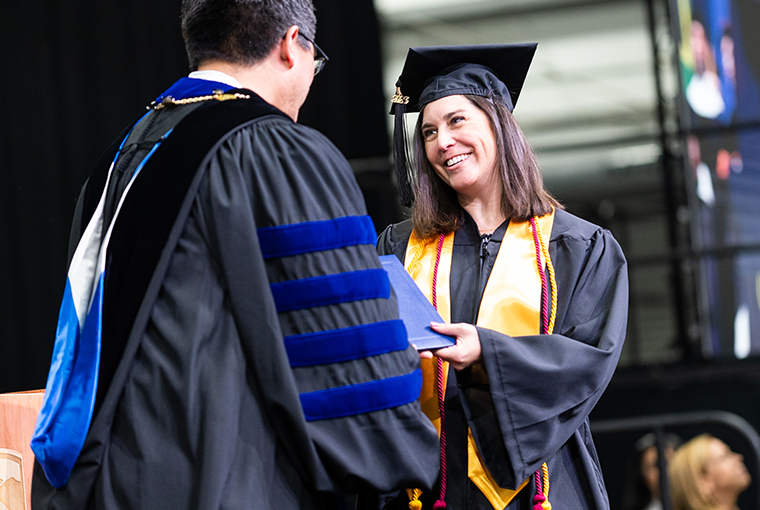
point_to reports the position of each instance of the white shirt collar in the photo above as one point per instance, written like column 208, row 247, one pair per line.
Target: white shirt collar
column 219, row 76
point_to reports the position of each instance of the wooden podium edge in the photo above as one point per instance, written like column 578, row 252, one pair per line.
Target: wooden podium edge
column 20, row 444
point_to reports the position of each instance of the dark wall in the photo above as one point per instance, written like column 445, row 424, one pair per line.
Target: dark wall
column 74, row 74
column 346, row 99
column 347, row 104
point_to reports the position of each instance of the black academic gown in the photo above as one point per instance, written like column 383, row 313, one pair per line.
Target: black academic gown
column 197, row 403
column 540, row 389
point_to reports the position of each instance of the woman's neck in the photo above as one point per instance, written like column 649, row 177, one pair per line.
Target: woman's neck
column 726, row 501
column 485, row 211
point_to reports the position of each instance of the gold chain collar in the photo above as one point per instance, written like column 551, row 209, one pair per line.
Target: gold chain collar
column 217, row 95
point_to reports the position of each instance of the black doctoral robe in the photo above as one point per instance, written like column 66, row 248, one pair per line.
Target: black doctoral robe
column 197, row 404
column 534, row 407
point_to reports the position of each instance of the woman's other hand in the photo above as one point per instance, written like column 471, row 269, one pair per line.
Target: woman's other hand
column 467, row 349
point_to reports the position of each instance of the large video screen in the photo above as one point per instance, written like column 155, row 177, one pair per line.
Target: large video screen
column 719, row 52
column 718, row 48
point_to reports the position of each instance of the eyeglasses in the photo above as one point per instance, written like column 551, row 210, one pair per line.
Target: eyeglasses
column 320, row 57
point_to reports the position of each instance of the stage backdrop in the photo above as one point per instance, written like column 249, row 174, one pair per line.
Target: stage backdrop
column 74, row 74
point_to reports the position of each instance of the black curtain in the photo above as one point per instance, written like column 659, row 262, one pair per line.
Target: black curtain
column 350, row 89
column 74, row 74
column 346, row 101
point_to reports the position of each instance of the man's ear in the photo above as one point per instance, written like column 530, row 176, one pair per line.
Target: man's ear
column 287, row 46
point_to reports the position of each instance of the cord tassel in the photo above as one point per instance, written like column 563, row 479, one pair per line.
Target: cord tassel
column 414, row 494
column 414, row 499
column 541, row 499
column 441, row 501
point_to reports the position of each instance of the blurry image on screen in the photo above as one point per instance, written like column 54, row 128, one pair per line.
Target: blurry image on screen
column 719, row 50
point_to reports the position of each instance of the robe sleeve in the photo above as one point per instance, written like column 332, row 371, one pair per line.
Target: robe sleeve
column 543, row 387
column 276, row 174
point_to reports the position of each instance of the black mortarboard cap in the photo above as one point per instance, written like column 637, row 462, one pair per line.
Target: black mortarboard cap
column 430, row 73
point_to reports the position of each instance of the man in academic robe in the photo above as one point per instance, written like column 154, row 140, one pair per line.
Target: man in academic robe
column 227, row 337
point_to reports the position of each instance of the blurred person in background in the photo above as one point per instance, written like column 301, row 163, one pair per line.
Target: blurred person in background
column 706, row 475
column 641, row 489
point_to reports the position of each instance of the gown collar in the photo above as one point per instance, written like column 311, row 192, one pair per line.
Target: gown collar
column 193, row 87
column 469, row 233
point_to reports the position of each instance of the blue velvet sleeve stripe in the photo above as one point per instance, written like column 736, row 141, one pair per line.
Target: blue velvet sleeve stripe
column 337, row 345
column 362, row 398
column 312, row 236
column 331, row 289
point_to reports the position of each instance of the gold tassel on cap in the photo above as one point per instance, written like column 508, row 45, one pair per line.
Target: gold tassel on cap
column 398, row 98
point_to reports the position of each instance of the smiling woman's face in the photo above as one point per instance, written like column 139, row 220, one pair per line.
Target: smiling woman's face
column 460, row 145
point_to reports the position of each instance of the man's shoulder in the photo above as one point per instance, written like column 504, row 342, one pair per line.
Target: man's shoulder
column 239, row 111
column 296, row 143
column 278, row 124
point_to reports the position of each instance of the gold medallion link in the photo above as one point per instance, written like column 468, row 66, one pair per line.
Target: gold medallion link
column 218, row 95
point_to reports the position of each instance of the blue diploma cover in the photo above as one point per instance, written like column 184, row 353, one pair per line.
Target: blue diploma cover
column 414, row 308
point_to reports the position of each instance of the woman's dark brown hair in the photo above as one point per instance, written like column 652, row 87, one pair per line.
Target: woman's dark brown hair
column 436, row 208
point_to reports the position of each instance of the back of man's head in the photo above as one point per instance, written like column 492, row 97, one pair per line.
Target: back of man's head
column 241, row 32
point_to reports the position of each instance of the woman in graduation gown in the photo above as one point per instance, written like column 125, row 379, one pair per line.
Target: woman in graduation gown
column 536, row 298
